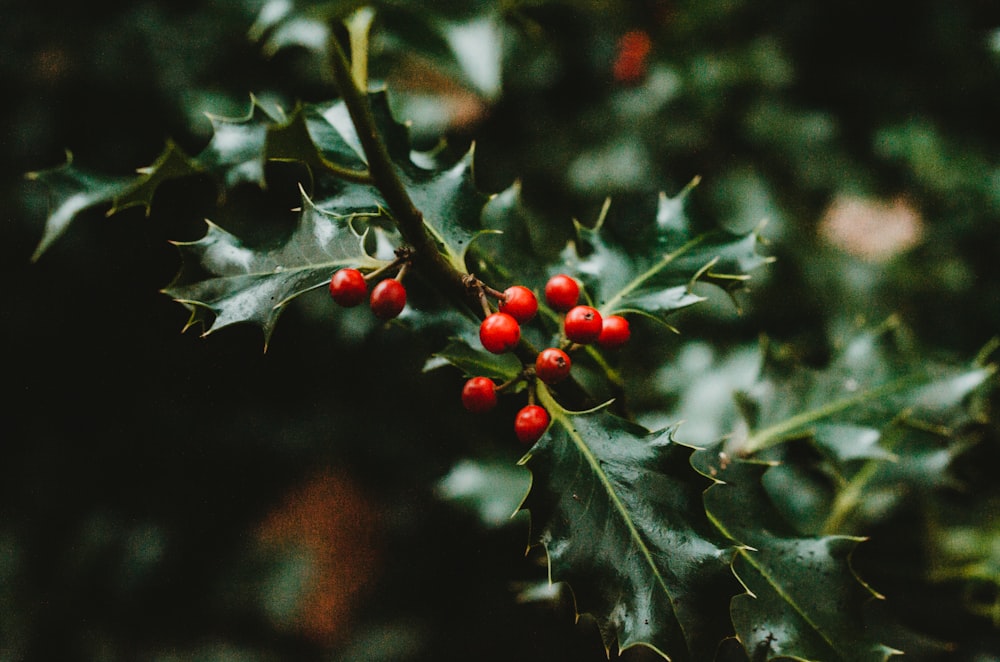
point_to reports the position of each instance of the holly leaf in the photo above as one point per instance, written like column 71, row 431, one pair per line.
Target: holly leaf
column 966, row 548
column 803, row 600
column 71, row 191
column 857, row 437
column 473, row 362
column 490, row 488
column 619, row 511
column 870, row 380
column 518, row 237
column 655, row 277
column 236, row 152
column 445, row 194
column 172, row 163
column 461, row 43
column 452, row 207
column 223, row 281
column 320, row 136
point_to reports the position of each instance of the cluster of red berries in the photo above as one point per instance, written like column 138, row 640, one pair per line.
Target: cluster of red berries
column 501, row 331
column 349, row 287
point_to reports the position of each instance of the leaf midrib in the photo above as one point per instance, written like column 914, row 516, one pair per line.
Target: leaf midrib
column 775, row 434
column 745, row 553
column 558, row 413
column 649, row 273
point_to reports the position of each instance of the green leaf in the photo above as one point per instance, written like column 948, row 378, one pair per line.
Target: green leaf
column 966, row 549
column 235, row 153
column 464, row 45
column 452, row 207
column 316, row 135
column 850, row 442
column 445, row 194
column 870, row 380
column 655, row 277
column 877, row 422
column 173, row 163
column 245, row 284
column 619, row 511
column 510, row 254
column 71, row 191
column 803, row 600
column 473, row 362
column 492, row 489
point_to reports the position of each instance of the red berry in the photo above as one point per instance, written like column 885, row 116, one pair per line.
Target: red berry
column 479, row 395
column 348, row 287
column 499, row 333
column 632, row 58
column 562, row 292
column 552, row 365
column 530, row 423
column 615, row 332
column 583, row 324
column 519, row 302
column 388, row 299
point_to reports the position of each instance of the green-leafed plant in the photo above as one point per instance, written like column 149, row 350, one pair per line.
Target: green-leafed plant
column 735, row 544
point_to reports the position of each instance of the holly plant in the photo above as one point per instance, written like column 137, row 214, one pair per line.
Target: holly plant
column 738, row 545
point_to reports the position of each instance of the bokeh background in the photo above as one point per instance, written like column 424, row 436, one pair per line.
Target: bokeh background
column 168, row 497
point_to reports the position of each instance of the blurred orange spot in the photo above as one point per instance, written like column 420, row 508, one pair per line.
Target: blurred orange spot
column 632, row 56
column 872, row 230
column 330, row 520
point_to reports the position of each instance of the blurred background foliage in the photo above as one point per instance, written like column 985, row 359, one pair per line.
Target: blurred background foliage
column 166, row 497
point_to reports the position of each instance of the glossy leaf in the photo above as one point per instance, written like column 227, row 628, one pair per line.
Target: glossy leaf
column 878, row 422
column 445, row 194
column 474, row 362
column 234, row 154
column 223, row 282
column 465, row 46
column 803, row 600
column 452, row 207
column 656, row 280
column 315, row 135
column 71, row 191
column 619, row 511
column 236, row 151
column 516, row 239
column 491, row 489
column 867, row 384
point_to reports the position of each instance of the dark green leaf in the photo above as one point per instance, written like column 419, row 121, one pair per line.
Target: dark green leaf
column 870, row 381
column 71, row 191
column 656, row 280
column 236, row 151
column 619, row 512
column 803, row 600
column 452, row 207
column 492, row 489
column 173, row 163
column 473, row 362
column 234, row 154
column 319, row 136
column 510, row 254
column 445, row 194
column 967, row 550
column 244, row 284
